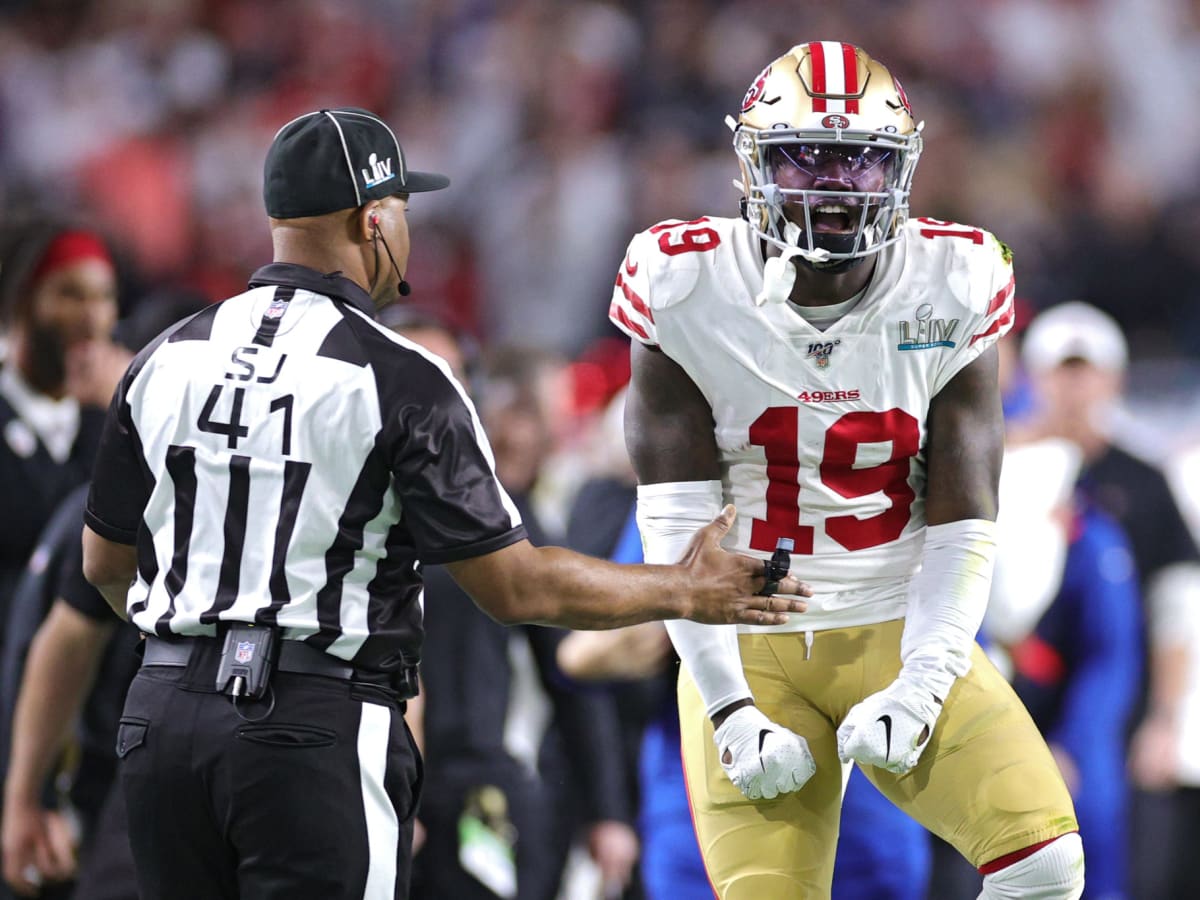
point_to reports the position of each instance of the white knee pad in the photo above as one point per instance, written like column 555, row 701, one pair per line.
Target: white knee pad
column 1053, row 873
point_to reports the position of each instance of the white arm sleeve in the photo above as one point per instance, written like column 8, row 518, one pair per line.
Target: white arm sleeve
column 667, row 516
column 946, row 602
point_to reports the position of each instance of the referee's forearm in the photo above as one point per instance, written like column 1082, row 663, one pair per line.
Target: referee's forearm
column 584, row 593
column 553, row 586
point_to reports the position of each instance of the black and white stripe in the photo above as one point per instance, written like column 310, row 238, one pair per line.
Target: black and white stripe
column 304, row 464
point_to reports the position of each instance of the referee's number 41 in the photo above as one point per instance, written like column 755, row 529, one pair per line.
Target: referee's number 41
column 233, row 429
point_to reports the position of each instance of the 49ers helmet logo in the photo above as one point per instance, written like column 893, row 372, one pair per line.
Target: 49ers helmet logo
column 903, row 95
column 835, row 121
column 756, row 90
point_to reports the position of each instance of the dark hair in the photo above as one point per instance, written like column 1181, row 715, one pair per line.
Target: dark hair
column 23, row 242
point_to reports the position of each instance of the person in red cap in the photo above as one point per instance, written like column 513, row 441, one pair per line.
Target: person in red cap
column 58, row 304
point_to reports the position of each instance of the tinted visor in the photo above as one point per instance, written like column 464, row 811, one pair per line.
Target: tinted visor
column 819, row 160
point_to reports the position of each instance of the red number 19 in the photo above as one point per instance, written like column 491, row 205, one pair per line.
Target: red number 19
column 777, row 432
column 691, row 240
column 949, row 229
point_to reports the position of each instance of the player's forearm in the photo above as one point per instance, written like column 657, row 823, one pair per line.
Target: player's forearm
column 666, row 513
column 57, row 677
column 947, row 600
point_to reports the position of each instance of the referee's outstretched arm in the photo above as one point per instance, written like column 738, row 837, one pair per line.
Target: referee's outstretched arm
column 553, row 586
column 273, row 472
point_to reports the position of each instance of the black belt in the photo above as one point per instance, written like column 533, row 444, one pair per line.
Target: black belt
column 294, row 656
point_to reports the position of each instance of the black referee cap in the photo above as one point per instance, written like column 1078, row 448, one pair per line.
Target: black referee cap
column 335, row 159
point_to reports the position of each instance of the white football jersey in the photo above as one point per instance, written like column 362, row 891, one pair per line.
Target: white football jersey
column 821, row 433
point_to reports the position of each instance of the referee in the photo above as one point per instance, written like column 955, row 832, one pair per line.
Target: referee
column 272, row 475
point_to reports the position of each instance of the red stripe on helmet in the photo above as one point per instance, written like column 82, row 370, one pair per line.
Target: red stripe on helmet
column 817, row 52
column 850, row 62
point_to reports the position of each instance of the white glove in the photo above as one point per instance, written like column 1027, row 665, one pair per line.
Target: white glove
column 890, row 728
column 762, row 759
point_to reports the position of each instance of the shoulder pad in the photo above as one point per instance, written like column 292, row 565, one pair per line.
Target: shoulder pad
column 667, row 277
column 663, row 267
column 975, row 264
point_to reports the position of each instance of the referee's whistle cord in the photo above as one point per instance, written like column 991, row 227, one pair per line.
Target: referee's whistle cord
column 270, row 708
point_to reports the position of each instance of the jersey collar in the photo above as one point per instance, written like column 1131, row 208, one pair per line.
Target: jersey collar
column 332, row 284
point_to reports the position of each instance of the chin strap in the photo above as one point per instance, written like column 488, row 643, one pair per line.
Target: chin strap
column 779, row 273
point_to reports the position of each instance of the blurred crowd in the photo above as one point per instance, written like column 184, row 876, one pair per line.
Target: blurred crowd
column 1067, row 127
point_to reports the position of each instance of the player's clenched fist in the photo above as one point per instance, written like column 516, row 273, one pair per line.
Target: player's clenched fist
column 762, row 759
column 891, row 728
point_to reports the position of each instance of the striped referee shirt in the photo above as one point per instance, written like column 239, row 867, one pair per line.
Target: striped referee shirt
column 280, row 458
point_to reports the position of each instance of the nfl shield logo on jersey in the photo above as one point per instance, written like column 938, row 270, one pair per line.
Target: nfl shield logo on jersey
column 244, row 652
column 820, row 351
column 276, row 309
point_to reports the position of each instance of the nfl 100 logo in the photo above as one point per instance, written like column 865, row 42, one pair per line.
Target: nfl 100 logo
column 244, row 652
column 820, row 352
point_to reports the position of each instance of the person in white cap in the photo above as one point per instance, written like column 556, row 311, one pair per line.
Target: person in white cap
column 1076, row 357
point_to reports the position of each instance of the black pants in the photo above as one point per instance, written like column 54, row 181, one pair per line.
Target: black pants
column 1164, row 836
column 315, row 799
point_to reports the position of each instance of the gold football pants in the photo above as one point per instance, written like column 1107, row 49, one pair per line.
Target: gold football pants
column 986, row 782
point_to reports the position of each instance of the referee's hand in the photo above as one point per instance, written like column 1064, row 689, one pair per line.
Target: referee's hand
column 726, row 584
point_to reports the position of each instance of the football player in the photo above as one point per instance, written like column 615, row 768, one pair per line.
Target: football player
column 829, row 365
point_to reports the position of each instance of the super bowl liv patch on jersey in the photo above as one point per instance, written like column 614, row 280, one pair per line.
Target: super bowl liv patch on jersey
column 926, row 332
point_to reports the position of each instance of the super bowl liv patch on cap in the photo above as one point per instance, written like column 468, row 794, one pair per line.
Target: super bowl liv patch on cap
column 335, row 159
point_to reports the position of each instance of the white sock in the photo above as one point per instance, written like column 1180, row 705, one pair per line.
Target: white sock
column 1055, row 872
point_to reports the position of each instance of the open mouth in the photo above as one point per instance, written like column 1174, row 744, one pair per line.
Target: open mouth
column 832, row 217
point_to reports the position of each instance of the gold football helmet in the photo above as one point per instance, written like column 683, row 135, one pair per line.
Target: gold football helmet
column 827, row 147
